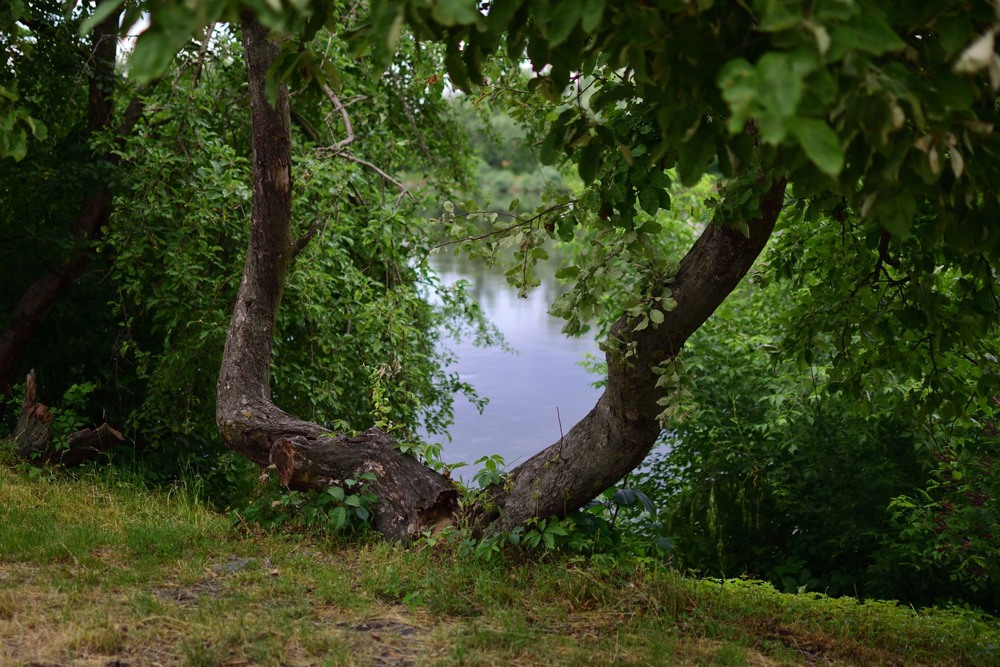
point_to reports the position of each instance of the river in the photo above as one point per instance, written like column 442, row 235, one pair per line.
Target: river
column 532, row 390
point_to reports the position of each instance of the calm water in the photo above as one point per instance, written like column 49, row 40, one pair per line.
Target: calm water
column 526, row 387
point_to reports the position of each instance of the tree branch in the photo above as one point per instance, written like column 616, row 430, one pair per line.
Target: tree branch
column 348, row 128
column 202, row 52
column 411, row 496
column 300, row 243
column 623, row 427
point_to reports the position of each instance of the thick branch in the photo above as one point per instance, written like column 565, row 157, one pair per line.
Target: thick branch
column 300, row 243
column 619, row 432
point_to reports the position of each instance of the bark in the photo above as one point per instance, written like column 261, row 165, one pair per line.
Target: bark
column 41, row 296
column 607, row 444
column 33, row 435
column 615, row 437
column 305, row 455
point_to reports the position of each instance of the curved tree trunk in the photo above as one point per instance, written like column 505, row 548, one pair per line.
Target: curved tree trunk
column 615, row 437
column 603, row 447
column 411, row 496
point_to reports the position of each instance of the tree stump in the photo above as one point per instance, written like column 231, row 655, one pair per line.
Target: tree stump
column 33, row 435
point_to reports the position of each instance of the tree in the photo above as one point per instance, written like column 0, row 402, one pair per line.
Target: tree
column 871, row 108
column 53, row 48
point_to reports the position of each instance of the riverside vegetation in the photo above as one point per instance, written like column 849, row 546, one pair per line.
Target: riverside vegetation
column 778, row 218
column 97, row 569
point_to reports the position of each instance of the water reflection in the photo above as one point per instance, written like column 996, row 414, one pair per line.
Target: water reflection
column 525, row 388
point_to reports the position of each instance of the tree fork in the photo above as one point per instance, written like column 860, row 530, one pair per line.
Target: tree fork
column 607, row 444
column 411, row 496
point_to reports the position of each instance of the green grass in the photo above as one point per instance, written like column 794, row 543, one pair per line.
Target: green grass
column 100, row 568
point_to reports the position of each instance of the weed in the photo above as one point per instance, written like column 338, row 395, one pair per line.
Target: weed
column 156, row 578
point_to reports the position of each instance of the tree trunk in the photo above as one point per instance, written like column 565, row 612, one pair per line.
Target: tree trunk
column 607, row 444
column 42, row 295
column 307, row 456
column 615, row 437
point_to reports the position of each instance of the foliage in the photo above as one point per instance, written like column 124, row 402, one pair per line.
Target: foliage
column 70, row 414
column 878, row 117
column 48, row 64
column 491, row 472
column 594, row 531
column 343, row 507
column 16, row 121
column 832, row 91
column 947, row 529
column 172, row 254
column 780, row 472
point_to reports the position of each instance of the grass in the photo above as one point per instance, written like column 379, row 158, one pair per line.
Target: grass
column 100, row 569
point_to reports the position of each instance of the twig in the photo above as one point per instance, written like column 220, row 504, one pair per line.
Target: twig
column 339, row 149
column 353, row 158
column 348, row 128
column 202, row 52
column 561, row 437
column 496, row 232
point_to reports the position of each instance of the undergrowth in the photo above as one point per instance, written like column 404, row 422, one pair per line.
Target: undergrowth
column 102, row 568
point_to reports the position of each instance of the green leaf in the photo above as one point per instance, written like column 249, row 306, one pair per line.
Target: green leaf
column 103, row 11
column 451, row 12
column 649, row 200
column 591, row 14
column 778, row 15
column 868, row 33
column 556, row 529
column 625, row 497
column 896, row 213
column 14, row 144
column 664, row 544
column 38, row 128
column 567, row 273
column 153, row 52
column 779, row 88
column 590, row 162
column 820, row 144
column 738, row 83
column 651, row 227
column 565, row 16
column 695, row 156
